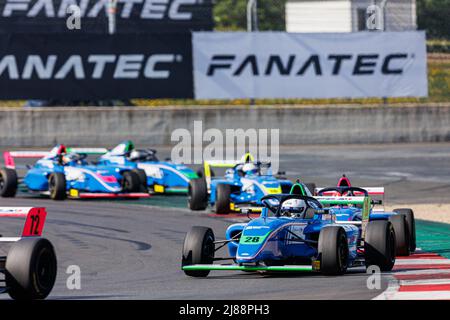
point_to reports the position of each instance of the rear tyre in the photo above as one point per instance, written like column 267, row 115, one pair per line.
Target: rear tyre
column 402, row 236
column 30, row 269
column 379, row 245
column 57, row 186
column 411, row 222
column 142, row 179
column 222, row 205
column 131, row 182
column 333, row 250
column 311, row 187
column 8, row 183
column 198, row 248
column 197, row 194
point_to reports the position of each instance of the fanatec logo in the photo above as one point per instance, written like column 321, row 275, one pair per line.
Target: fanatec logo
column 94, row 66
column 148, row 9
column 293, row 65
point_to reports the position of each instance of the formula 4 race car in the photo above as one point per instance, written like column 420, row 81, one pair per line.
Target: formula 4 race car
column 293, row 233
column 402, row 219
column 162, row 176
column 64, row 172
column 245, row 182
column 30, row 265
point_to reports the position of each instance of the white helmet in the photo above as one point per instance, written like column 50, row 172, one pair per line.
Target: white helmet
column 249, row 168
column 136, row 155
column 293, row 207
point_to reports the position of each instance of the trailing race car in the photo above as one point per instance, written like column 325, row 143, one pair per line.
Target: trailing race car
column 30, row 265
column 245, row 183
column 65, row 172
column 162, row 176
column 294, row 233
column 402, row 219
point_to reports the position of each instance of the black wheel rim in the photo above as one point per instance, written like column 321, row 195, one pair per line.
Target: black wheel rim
column 45, row 269
column 208, row 249
column 2, row 182
column 51, row 185
column 391, row 247
column 342, row 252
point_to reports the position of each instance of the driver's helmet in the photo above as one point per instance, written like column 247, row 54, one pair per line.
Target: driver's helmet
column 293, row 207
column 250, row 168
column 67, row 158
column 136, row 155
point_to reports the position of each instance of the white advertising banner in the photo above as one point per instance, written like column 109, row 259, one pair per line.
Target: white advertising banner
column 233, row 65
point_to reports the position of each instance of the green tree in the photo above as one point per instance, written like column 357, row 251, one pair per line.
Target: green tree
column 434, row 17
column 231, row 15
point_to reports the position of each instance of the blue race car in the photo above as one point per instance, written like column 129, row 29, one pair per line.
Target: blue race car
column 65, row 172
column 401, row 219
column 293, row 233
column 162, row 176
column 245, row 182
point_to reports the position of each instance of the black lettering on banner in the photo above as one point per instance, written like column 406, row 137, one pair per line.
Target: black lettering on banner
column 275, row 60
column 338, row 59
column 385, row 69
column 364, row 64
column 251, row 61
column 212, row 67
column 312, row 61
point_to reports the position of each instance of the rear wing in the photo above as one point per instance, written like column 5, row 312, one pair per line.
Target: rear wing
column 208, row 164
column 364, row 201
column 34, row 221
column 372, row 191
column 9, row 156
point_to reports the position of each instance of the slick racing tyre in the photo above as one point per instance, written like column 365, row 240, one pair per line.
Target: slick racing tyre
column 131, row 182
column 198, row 248
column 142, row 179
column 197, row 194
column 379, row 245
column 333, row 250
column 411, row 222
column 402, row 237
column 30, row 269
column 8, row 182
column 222, row 205
column 57, row 186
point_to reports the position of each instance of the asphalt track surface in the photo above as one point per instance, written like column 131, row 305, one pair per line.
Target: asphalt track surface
column 132, row 249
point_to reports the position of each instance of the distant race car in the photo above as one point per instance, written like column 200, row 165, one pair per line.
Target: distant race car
column 30, row 265
column 293, row 233
column 162, row 176
column 402, row 219
column 245, row 182
column 64, row 172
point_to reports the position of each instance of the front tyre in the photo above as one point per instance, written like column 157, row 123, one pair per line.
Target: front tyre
column 57, row 186
column 30, row 269
column 142, row 179
column 333, row 250
column 198, row 248
column 8, row 183
column 379, row 245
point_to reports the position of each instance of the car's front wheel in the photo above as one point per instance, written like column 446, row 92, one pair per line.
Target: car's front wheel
column 198, row 248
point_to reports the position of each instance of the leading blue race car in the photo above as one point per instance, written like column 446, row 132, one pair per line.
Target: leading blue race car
column 245, row 182
column 293, row 233
column 162, row 176
column 64, row 172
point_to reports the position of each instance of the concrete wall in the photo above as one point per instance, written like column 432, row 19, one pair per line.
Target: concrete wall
column 153, row 126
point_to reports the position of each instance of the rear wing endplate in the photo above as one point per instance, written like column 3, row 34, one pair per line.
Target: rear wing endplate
column 34, row 220
column 9, row 156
